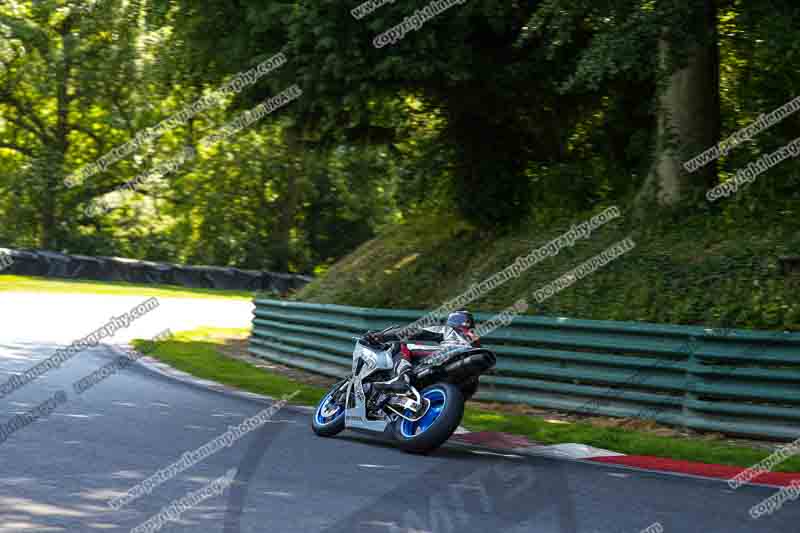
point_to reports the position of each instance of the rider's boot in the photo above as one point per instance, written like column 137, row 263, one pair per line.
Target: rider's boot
column 401, row 382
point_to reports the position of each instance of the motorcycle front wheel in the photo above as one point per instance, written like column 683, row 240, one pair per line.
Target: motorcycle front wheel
column 329, row 417
column 439, row 422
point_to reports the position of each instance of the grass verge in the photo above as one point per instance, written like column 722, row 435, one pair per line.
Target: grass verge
column 621, row 440
column 37, row 284
column 198, row 353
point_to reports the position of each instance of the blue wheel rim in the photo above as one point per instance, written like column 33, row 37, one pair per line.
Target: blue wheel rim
column 324, row 404
column 438, row 399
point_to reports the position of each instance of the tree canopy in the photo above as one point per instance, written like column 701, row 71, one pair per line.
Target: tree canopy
column 492, row 111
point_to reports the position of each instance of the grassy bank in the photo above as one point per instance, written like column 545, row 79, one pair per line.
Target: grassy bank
column 199, row 352
column 37, row 284
column 693, row 269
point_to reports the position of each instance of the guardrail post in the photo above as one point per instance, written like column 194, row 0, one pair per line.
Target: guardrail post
column 689, row 395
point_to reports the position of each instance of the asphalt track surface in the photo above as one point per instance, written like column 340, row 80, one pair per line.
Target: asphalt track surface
column 58, row 473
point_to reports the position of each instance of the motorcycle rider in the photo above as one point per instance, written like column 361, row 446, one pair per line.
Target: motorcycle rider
column 457, row 331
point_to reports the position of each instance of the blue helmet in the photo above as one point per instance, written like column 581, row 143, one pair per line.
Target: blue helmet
column 461, row 318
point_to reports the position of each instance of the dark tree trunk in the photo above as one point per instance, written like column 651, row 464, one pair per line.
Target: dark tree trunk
column 688, row 121
column 54, row 167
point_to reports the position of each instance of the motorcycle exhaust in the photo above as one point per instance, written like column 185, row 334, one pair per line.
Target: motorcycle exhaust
column 470, row 366
column 413, row 405
column 417, row 419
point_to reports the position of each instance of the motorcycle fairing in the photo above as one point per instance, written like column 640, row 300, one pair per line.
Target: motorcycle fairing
column 370, row 360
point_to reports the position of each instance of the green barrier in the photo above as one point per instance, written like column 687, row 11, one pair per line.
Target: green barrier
column 738, row 382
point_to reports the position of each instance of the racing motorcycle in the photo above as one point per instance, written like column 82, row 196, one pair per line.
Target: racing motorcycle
column 420, row 416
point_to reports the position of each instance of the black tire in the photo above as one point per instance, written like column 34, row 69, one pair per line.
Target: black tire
column 332, row 427
column 441, row 429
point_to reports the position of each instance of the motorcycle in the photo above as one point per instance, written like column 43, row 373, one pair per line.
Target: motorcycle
column 420, row 416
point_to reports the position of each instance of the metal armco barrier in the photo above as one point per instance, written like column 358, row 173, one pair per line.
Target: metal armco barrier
column 737, row 382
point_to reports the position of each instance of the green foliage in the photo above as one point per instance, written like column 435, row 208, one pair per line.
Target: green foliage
column 494, row 122
column 126, row 72
column 701, row 272
column 488, row 92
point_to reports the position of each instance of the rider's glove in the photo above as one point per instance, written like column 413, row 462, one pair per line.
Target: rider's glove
column 373, row 338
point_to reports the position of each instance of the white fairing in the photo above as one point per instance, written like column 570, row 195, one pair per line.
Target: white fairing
column 372, row 360
column 356, row 417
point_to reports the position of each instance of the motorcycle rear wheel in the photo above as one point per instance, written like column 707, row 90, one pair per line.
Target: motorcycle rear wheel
column 437, row 425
